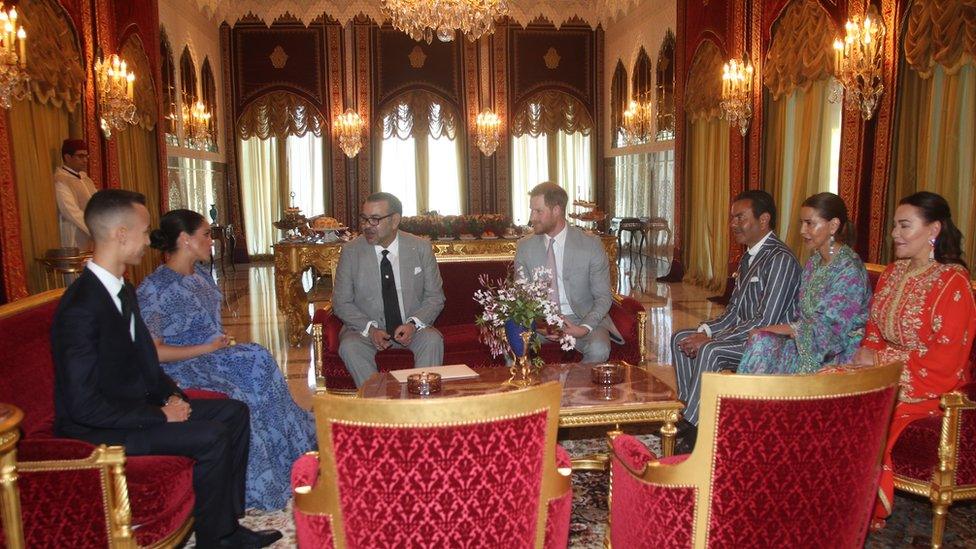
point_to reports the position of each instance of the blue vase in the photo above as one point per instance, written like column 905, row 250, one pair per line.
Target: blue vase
column 514, row 332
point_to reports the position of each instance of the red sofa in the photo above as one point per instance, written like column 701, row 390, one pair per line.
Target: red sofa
column 74, row 494
column 461, row 338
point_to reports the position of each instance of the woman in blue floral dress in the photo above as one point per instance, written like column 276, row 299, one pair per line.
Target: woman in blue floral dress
column 181, row 306
column 834, row 297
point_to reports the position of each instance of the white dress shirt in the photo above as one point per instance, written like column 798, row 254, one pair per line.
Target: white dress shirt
column 559, row 249
column 394, row 257
column 113, row 284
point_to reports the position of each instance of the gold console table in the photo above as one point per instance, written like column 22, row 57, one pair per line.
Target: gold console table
column 292, row 259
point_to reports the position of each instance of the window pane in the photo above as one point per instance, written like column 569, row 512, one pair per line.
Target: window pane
column 398, row 174
column 530, row 166
column 444, row 195
column 305, row 177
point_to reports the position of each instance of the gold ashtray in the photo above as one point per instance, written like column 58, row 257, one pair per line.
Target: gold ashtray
column 424, row 383
column 606, row 374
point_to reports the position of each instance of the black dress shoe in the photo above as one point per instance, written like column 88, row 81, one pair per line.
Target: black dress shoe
column 686, row 440
column 244, row 538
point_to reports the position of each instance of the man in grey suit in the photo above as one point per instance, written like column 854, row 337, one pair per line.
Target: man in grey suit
column 581, row 284
column 765, row 293
column 387, row 292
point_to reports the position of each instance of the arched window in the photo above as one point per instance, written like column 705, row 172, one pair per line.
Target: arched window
column 618, row 103
column 168, row 86
column 550, row 142
column 209, row 92
column 420, row 157
column 642, row 91
column 642, row 77
column 665, row 88
column 188, row 79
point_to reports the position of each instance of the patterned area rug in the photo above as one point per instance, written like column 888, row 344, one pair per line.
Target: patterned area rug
column 909, row 526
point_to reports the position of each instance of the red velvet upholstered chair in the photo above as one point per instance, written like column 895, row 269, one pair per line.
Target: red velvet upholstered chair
column 72, row 493
column 477, row 471
column 780, row 461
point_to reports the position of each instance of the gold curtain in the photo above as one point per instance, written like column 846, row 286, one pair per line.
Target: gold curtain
column 802, row 147
column 934, row 144
column 708, row 204
column 138, row 171
column 36, row 132
column 548, row 112
column 279, row 114
column 801, row 51
column 940, row 32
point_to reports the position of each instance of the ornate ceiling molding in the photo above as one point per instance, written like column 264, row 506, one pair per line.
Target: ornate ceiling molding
column 593, row 12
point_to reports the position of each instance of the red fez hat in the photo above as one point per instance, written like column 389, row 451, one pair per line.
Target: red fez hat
column 72, row 146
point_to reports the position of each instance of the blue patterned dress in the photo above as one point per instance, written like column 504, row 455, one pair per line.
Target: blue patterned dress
column 185, row 310
column 833, row 309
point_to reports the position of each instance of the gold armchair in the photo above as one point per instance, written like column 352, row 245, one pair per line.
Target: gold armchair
column 936, row 457
column 446, row 472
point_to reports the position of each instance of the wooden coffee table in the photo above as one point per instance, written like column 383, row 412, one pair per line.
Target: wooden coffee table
column 640, row 398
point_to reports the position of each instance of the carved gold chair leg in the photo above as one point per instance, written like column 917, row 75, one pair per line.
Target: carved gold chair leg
column 10, row 418
column 642, row 337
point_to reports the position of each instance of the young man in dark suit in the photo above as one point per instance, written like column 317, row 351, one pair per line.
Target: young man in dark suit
column 110, row 389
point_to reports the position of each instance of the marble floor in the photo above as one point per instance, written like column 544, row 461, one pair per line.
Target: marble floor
column 250, row 313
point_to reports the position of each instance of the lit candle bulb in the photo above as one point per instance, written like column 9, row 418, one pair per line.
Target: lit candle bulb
column 22, row 40
column 130, row 78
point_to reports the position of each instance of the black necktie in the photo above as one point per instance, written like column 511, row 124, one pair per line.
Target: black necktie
column 391, row 304
column 126, row 300
column 743, row 267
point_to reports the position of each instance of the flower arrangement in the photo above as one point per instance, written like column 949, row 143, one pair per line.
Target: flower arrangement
column 435, row 225
column 519, row 300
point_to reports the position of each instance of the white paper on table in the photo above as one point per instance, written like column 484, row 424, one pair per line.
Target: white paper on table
column 452, row 371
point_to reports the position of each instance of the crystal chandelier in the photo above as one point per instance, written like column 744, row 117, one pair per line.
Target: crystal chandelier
column 737, row 93
column 487, row 127
column 637, row 122
column 13, row 58
column 118, row 110
column 348, row 128
column 857, row 66
column 422, row 19
column 196, row 126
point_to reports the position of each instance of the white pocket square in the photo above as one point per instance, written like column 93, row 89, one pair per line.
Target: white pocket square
column 417, row 270
column 754, row 279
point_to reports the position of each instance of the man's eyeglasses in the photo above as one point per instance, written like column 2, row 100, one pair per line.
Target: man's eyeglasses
column 372, row 221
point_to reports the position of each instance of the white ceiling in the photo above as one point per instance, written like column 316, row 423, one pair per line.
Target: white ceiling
column 594, row 12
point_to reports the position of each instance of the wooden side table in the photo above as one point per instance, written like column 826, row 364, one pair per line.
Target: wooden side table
column 59, row 269
column 10, row 418
column 223, row 234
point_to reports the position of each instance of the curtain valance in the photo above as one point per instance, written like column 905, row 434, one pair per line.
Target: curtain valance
column 801, row 51
column 54, row 65
column 418, row 113
column 941, row 32
column 279, row 114
column 550, row 111
column 143, row 92
column 704, row 93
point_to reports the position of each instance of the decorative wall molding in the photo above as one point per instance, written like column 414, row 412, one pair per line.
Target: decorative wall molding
column 523, row 12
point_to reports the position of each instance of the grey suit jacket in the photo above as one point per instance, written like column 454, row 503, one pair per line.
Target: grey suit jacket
column 357, row 297
column 586, row 274
column 765, row 294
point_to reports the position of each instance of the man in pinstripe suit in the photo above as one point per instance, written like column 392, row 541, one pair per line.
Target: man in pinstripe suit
column 765, row 293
